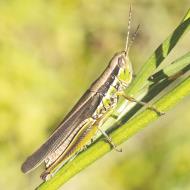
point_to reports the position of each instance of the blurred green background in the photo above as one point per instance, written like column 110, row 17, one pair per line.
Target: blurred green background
column 50, row 51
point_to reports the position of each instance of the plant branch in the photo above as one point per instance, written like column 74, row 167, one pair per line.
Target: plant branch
column 119, row 136
column 122, row 130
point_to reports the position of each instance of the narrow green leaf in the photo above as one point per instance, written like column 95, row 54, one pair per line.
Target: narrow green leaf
column 159, row 55
column 177, row 67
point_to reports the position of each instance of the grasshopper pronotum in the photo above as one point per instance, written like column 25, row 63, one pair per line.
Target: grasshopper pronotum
column 87, row 116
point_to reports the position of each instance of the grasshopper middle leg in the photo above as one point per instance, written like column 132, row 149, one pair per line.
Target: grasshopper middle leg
column 109, row 139
column 98, row 124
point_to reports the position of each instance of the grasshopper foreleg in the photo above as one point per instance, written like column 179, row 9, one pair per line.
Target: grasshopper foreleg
column 150, row 107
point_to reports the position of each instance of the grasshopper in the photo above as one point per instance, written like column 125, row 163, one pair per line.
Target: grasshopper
column 87, row 116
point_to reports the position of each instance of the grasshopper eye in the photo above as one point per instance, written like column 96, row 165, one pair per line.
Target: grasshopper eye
column 121, row 62
column 113, row 76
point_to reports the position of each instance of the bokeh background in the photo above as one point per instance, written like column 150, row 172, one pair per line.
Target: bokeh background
column 50, row 51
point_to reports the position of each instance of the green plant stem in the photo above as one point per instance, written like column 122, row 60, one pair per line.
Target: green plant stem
column 119, row 136
column 138, row 122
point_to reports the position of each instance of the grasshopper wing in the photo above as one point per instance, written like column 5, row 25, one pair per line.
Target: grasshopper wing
column 84, row 109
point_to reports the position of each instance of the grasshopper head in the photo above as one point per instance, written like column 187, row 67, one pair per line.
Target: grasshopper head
column 125, row 68
column 126, row 72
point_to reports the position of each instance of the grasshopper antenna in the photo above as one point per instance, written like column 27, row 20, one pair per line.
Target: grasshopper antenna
column 128, row 43
column 128, row 32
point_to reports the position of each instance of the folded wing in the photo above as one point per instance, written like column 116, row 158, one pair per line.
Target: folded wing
column 84, row 109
